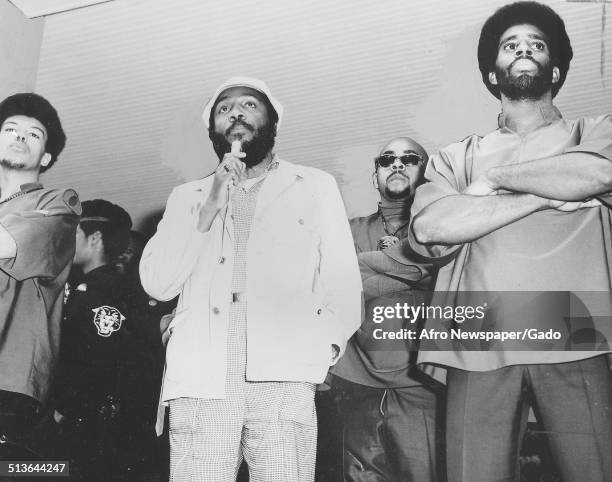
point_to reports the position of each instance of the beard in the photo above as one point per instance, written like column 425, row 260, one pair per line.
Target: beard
column 401, row 194
column 256, row 149
column 525, row 86
column 12, row 164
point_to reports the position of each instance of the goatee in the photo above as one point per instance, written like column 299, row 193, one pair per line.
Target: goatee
column 525, row 86
column 10, row 164
column 395, row 195
column 256, row 149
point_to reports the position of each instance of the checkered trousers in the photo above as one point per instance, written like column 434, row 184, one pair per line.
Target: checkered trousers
column 272, row 425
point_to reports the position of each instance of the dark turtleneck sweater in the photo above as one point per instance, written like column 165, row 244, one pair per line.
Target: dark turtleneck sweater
column 368, row 230
column 386, row 283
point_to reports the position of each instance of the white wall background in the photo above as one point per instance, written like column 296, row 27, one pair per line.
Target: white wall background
column 20, row 41
column 129, row 78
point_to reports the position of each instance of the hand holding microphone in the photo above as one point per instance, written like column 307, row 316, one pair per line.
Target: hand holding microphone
column 229, row 173
column 238, row 166
column 232, row 164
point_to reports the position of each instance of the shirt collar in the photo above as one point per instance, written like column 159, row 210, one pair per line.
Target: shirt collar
column 30, row 186
column 548, row 115
column 273, row 165
column 102, row 270
column 270, row 167
column 249, row 183
column 23, row 189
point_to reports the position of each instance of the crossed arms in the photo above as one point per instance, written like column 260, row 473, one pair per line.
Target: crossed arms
column 8, row 247
column 564, row 182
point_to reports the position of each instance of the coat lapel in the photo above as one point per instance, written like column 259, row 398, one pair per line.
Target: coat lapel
column 276, row 183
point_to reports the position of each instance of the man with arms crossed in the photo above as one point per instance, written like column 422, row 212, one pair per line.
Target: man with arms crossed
column 37, row 229
column 261, row 254
column 514, row 207
column 389, row 415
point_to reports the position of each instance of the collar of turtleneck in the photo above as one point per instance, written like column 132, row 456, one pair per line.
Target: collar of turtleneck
column 395, row 216
column 395, row 209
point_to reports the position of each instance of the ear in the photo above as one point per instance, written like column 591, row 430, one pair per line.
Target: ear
column 492, row 78
column 556, row 75
column 45, row 159
column 95, row 238
column 375, row 180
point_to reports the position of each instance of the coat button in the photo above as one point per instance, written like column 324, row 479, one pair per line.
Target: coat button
column 319, row 311
column 221, row 259
column 216, row 310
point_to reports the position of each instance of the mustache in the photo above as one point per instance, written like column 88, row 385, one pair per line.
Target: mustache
column 239, row 123
column 397, row 173
column 524, row 57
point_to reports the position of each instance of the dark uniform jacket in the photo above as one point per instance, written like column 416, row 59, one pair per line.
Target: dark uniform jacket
column 96, row 345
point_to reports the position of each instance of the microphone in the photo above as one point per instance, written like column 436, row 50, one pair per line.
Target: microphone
column 236, row 147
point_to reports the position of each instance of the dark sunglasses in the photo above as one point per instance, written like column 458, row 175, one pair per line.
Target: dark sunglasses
column 406, row 159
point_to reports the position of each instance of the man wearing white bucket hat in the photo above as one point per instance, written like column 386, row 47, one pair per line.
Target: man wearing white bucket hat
column 261, row 255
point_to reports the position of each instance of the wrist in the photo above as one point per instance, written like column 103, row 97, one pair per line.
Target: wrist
column 214, row 204
column 493, row 178
column 541, row 203
column 208, row 212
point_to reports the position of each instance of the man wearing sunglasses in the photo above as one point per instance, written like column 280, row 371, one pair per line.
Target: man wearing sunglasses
column 389, row 415
column 516, row 211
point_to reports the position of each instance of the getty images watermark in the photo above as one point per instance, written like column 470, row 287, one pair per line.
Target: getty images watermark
column 492, row 321
column 458, row 314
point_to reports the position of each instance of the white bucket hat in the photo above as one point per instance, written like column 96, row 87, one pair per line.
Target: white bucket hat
column 255, row 84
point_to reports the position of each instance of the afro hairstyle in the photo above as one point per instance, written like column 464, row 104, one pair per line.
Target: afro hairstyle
column 532, row 13
column 39, row 108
